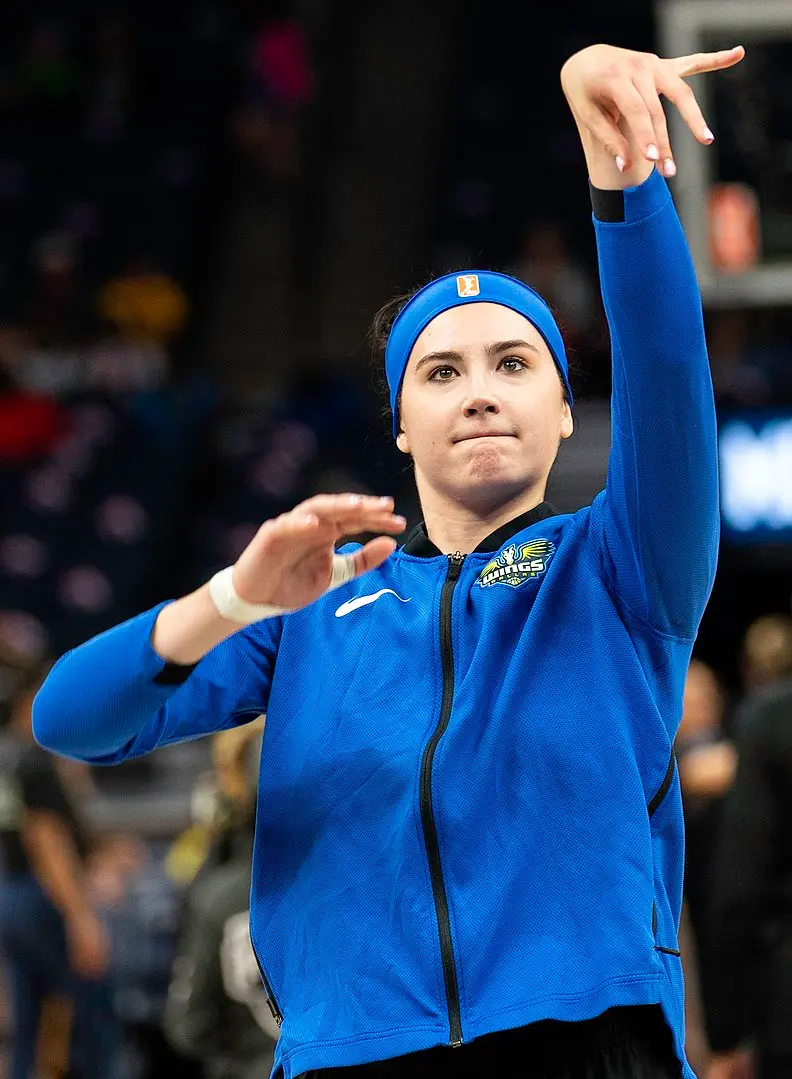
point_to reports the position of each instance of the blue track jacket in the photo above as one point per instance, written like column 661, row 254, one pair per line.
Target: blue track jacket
column 469, row 816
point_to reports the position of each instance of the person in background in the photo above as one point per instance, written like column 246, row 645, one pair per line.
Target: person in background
column 55, row 948
column 707, row 761
column 748, row 988
column 766, row 651
column 216, row 1008
column 144, row 302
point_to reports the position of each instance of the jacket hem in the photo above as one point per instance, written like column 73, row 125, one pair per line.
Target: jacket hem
column 571, row 1007
column 360, row 1049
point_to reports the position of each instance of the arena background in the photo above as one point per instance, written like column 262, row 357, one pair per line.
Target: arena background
column 202, row 204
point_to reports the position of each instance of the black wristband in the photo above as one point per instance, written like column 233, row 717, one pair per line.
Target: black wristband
column 607, row 205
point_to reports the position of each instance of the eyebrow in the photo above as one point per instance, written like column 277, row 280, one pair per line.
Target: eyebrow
column 492, row 350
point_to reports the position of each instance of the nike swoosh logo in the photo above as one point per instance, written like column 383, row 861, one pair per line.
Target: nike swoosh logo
column 363, row 601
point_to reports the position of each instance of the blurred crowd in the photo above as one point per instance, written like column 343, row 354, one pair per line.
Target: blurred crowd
column 126, row 477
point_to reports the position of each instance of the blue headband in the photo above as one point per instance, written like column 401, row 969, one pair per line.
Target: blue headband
column 452, row 290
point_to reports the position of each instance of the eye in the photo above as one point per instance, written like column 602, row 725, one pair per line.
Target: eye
column 514, row 360
column 433, row 377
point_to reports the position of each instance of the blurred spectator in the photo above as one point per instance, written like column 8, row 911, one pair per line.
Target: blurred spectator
column 56, row 313
column 707, row 762
column 56, row 949
column 748, row 988
column 30, row 423
column 117, row 363
column 546, row 263
column 144, row 302
column 766, row 651
column 280, row 85
column 217, row 1009
column 140, row 908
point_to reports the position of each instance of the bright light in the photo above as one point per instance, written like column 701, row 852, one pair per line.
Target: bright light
column 756, row 475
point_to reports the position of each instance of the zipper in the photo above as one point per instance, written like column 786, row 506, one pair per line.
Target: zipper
column 272, row 1003
column 427, row 812
column 662, row 791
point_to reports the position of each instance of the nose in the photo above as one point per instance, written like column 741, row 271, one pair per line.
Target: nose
column 480, row 405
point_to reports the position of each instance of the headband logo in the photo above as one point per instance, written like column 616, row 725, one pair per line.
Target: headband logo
column 468, row 285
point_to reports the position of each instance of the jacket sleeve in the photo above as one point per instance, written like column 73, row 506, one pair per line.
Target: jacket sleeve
column 113, row 698
column 742, row 876
column 656, row 525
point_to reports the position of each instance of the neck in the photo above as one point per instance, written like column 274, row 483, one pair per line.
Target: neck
column 452, row 525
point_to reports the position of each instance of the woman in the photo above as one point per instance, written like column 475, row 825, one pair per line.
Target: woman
column 469, row 831
column 55, row 950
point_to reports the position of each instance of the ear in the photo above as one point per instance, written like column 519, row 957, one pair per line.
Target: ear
column 567, row 423
column 402, row 443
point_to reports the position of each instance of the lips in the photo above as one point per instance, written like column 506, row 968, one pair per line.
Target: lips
column 485, row 434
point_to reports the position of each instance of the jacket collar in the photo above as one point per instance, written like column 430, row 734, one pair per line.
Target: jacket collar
column 418, row 543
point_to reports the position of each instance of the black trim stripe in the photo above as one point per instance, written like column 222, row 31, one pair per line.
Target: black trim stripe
column 668, row 951
column 607, row 205
column 663, row 789
column 174, row 674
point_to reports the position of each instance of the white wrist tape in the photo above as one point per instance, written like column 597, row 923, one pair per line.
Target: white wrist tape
column 231, row 606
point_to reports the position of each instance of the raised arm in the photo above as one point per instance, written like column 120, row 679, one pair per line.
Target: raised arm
column 656, row 525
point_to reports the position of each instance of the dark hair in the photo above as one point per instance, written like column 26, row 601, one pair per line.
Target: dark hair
column 379, row 331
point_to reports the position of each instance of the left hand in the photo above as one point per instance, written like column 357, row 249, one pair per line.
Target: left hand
column 614, row 95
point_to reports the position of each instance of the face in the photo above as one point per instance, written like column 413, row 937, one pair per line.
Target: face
column 702, row 708
column 482, row 406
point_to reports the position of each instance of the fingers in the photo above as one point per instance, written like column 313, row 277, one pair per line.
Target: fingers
column 660, row 141
column 606, row 131
column 639, row 110
column 327, row 517
column 678, row 91
column 349, row 512
column 699, row 62
column 670, row 82
column 373, row 554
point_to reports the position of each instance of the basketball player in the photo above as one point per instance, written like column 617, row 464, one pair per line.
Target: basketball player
column 469, row 830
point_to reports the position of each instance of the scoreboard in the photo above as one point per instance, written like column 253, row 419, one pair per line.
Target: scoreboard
column 735, row 197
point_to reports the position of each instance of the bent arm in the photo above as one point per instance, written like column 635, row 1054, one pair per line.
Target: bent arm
column 114, row 697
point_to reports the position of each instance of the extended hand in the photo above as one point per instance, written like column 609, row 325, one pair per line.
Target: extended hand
column 289, row 561
column 614, row 95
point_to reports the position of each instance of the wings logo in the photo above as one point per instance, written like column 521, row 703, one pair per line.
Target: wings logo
column 515, row 565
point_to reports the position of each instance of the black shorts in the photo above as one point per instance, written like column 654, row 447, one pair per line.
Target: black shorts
column 622, row 1043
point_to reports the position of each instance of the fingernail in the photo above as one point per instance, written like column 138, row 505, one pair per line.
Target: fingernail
column 707, row 134
column 620, row 163
column 386, row 499
column 355, row 500
column 669, row 168
column 652, row 152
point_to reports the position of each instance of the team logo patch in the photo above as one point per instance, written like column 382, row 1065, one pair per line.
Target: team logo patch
column 468, row 285
column 515, row 565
